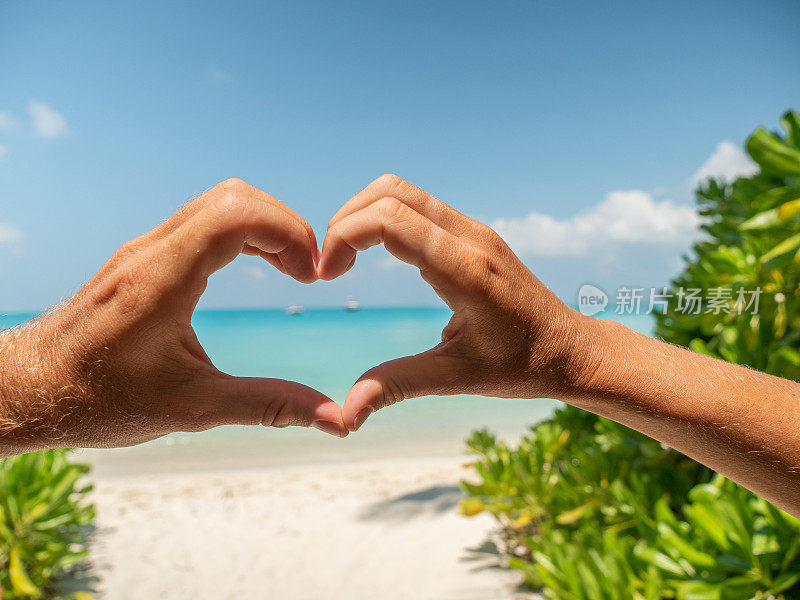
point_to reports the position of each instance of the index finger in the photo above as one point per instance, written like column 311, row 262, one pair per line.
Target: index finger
column 219, row 191
column 443, row 215
column 240, row 222
column 444, row 260
column 231, row 223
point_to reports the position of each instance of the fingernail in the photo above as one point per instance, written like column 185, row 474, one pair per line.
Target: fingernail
column 328, row 427
column 361, row 417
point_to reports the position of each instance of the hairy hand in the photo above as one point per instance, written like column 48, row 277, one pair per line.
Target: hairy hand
column 120, row 364
column 509, row 335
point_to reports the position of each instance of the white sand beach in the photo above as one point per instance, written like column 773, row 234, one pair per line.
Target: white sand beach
column 358, row 530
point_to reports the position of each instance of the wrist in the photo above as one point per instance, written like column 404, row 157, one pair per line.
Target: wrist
column 565, row 352
column 589, row 359
column 14, row 403
column 612, row 360
column 33, row 390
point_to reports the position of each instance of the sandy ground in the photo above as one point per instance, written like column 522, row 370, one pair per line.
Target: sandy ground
column 370, row 530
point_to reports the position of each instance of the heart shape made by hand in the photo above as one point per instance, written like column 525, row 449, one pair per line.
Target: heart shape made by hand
column 499, row 307
column 142, row 372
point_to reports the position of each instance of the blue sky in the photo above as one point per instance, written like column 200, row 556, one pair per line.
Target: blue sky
column 575, row 128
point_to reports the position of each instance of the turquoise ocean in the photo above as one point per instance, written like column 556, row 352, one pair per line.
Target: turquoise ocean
column 327, row 349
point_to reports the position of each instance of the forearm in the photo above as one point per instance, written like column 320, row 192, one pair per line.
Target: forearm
column 13, row 400
column 742, row 423
column 510, row 337
column 33, row 391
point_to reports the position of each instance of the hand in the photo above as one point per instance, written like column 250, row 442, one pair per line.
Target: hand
column 120, row 364
column 509, row 336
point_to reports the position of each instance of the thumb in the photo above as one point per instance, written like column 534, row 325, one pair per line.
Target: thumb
column 275, row 403
column 428, row 373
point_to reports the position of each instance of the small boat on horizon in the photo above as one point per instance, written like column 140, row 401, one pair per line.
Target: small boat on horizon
column 295, row 309
column 352, row 305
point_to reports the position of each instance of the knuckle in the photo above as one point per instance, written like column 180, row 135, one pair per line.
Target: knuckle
column 494, row 242
column 486, row 233
column 439, row 242
column 277, row 414
column 233, row 207
column 393, row 392
column 482, row 267
column 232, row 200
column 390, row 207
column 231, row 196
column 231, row 184
column 126, row 287
column 334, row 232
column 389, row 180
column 267, row 415
column 128, row 248
column 125, row 252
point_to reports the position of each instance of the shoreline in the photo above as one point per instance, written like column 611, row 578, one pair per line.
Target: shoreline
column 434, row 427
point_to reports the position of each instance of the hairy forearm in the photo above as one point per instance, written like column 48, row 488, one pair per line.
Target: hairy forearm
column 15, row 396
column 742, row 423
column 33, row 390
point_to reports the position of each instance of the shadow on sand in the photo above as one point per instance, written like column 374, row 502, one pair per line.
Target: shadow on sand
column 83, row 578
column 430, row 501
column 436, row 501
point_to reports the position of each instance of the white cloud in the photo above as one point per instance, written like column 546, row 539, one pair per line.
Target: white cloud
column 255, row 272
column 48, row 123
column 10, row 235
column 727, row 162
column 4, row 151
column 6, row 120
column 626, row 217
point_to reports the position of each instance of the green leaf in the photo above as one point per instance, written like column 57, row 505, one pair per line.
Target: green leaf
column 772, row 218
column 20, row 582
column 569, row 517
column 590, row 580
column 772, row 154
column 782, row 253
column 763, row 220
column 791, row 122
column 659, row 559
column 789, row 209
column 784, row 582
column 471, row 506
column 41, row 515
column 742, row 586
column 684, row 548
column 699, row 590
column 704, row 518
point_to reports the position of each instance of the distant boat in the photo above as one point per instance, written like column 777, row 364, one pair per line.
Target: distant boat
column 352, row 305
column 295, row 309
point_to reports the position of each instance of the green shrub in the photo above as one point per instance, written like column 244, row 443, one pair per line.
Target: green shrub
column 752, row 231
column 592, row 510
column 43, row 513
